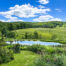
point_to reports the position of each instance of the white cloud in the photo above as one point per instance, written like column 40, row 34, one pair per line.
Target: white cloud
column 56, row 19
column 44, row 1
column 59, row 10
column 46, row 18
column 2, row 20
column 24, row 11
column 27, row 11
column 40, row 6
column 10, row 19
column 13, row 19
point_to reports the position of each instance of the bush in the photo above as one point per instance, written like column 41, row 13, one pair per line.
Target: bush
column 59, row 61
column 5, row 55
column 50, row 60
column 36, row 35
column 16, row 48
column 36, row 48
column 11, row 34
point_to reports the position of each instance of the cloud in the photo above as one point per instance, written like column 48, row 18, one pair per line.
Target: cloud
column 44, row 1
column 18, row 12
column 2, row 20
column 46, row 18
column 24, row 11
column 58, row 10
column 40, row 6
column 11, row 19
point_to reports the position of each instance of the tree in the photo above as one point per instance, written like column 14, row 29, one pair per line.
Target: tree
column 12, row 26
column 11, row 34
column 16, row 48
column 35, row 35
column 4, row 32
column 26, row 35
column 6, row 55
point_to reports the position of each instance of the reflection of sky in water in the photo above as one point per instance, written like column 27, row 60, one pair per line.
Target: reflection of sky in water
column 33, row 42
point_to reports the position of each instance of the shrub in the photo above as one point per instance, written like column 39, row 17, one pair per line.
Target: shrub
column 36, row 48
column 11, row 35
column 16, row 48
column 36, row 35
column 59, row 61
column 50, row 60
column 5, row 55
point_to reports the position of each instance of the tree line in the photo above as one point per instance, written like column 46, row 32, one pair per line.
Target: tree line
column 22, row 25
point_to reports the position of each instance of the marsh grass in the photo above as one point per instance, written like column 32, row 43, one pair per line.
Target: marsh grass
column 44, row 34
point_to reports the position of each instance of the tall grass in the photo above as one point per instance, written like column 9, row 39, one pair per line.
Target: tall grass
column 46, row 34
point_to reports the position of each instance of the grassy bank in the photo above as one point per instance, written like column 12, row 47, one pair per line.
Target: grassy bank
column 57, row 34
column 25, row 58
column 37, row 54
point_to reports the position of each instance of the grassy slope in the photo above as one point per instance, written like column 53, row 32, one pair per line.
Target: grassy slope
column 25, row 58
column 60, row 32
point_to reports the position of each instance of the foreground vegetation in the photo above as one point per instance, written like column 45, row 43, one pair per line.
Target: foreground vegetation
column 38, row 55
column 32, row 55
column 25, row 58
column 5, row 55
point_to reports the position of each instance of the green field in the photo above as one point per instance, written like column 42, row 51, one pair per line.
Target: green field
column 25, row 58
column 57, row 34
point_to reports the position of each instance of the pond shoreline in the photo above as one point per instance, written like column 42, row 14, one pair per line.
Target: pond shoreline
column 56, row 41
column 26, row 42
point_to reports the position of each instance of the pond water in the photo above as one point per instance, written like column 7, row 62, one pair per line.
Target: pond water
column 33, row 42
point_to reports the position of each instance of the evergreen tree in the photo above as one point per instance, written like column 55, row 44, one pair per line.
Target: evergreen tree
column 35, row 35
column 26, row 35
column 4, row 32
column 16, row 48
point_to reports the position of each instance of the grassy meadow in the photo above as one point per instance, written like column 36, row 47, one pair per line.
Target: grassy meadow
column 25, row 58
column 57, row 34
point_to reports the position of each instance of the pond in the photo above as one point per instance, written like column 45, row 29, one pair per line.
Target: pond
column 33, row 42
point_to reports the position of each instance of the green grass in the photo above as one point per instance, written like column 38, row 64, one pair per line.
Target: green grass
column 46, row 34
column 25, row 58
column 60, row 33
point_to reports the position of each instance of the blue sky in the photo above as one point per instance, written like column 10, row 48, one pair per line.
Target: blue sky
column 32, row 10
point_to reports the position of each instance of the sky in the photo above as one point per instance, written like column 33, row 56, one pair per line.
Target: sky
column 32, row 10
